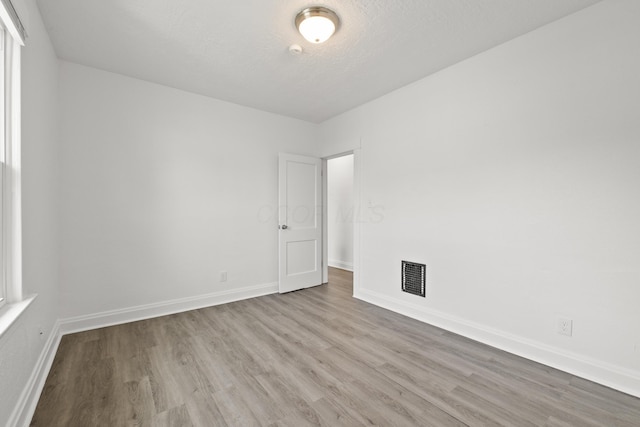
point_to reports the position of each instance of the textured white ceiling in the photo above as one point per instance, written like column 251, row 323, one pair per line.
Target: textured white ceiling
column 237, row 50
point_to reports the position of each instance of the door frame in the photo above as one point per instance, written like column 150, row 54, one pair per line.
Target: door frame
column 357, row 204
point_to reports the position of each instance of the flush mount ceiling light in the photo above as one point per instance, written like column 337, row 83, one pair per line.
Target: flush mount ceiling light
column 317, row 24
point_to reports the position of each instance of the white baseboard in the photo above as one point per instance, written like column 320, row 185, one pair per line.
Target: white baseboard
column 147, row 311
column 26, row 406
column 340, row 264
column 618, row 378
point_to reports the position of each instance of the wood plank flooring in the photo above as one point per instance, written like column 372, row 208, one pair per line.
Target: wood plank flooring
column 312, row 357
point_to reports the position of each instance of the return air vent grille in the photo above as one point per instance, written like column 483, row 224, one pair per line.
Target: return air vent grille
column 413, row 278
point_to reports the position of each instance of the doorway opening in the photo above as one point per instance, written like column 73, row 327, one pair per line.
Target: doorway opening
column 340, row 219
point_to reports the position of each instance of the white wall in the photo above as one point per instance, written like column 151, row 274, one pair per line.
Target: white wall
column 21, row 347
column 340, row 211
column 514, row 176
column 163, row 190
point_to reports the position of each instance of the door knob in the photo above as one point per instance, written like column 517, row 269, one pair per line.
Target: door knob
column 284, row 227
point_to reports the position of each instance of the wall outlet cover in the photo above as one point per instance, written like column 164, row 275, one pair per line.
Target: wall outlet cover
column 565, row 326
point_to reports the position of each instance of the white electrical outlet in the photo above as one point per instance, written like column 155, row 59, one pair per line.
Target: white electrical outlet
column 223, row 276
column 565, row 326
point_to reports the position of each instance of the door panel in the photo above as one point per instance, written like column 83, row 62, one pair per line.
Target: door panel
column 300, row 219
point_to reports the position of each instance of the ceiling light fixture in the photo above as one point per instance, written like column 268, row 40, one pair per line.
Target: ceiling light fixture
column 317, row 24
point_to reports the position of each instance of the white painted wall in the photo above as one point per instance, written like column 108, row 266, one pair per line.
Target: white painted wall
column 340, row 211
column 514, row 176
column 21, row 347
column 163, row 190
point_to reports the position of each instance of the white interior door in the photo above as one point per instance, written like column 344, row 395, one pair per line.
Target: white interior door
column 300, row 222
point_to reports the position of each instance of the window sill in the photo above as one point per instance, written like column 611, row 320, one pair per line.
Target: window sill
column 10, row 312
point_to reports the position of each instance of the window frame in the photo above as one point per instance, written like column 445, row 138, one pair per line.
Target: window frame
column 11, row 40
column 3, row 249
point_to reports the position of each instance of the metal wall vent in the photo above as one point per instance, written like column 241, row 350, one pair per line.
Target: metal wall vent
column 413, row 277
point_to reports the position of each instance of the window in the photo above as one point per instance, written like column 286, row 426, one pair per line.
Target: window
column 3, row 281
column 12, row 35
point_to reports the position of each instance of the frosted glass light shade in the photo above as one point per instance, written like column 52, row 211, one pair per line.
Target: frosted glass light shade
column 317, row 24
column 317, row 29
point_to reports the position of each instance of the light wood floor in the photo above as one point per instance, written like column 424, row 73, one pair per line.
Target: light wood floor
column 312, row 357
